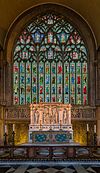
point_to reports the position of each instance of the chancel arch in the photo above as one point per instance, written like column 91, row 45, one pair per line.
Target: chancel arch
column 50, row 52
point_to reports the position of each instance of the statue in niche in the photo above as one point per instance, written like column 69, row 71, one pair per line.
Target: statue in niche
column 65, row 117
column 55, row 117
column 43, row 118
column 36, row 117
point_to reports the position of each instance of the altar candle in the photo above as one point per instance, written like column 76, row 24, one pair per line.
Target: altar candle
column 13, row 127
column 94, row 128
column 40, row 124
column 87, row 127
column 5, row 128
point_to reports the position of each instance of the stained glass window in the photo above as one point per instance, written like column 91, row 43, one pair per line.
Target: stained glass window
column 50, row 63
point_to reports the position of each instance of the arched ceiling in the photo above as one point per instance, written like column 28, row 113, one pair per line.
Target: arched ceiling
column 88, row 9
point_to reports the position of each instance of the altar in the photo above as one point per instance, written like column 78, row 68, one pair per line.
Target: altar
column 50, row 123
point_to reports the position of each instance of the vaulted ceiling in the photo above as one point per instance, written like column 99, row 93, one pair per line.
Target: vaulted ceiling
column 88, row 9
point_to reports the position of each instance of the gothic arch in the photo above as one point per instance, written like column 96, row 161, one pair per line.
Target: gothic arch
column 73, row 18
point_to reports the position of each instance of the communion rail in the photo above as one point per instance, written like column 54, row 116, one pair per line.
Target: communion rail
column 48, row 152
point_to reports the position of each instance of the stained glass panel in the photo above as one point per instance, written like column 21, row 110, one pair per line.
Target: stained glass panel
column 34, row 82
column 50, row 63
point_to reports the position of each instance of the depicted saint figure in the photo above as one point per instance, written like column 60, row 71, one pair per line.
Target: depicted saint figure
column 66, row 68
column 41, row 69
column 37, row 37
column 34, row 69
column 16, row 79
column 28, row 89
column 43, row 118
column 84, row 68
column 21, row 68
column 41, row 80
column 78, row 90
column 36, row 117
column 47, row 98
column 72, row 79
column 16, row 68
column 53, row 99
column 34, row 99
column 28, row 68
column 22, row 90
column 47, row 90
column 34, row 89
column 59, row 69
column 50, row 54
column 72, row 68
column 41, row 99
column 59, row 79
column 28, row 99
column 16, row 99
column 28, row 80
column 34, row 79
column 66, row 117
column 78, row 79
column 53, row 69
column 41, row 89
column 53, row 80
column 84, row 90
column 47, row 69
column 47, row 79
column 53, row 90
column 63, row 38
column 66, row 89
column 85, row 100
column 66, row 80
column 22, row 79
column 22, row 100
column 50, row 37
column 59, row 90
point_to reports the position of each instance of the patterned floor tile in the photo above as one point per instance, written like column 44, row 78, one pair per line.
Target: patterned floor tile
column 21, row 169
column 68, row 170
column 80, row 169
column 91, row 170
column 51, row 170
column 10, row 170
column 34, row 170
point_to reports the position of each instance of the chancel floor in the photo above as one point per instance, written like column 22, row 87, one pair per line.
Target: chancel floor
column 53, row 169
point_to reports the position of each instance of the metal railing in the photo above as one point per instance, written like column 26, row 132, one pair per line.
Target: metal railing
column 49, row 152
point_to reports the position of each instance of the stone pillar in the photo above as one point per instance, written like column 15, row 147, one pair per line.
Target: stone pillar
column 1, row 132
column 98, row 125
column 98, row 78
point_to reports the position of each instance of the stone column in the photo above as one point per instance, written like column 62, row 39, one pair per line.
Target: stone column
column 31, row 114
column 69, row 114
column 98, row 125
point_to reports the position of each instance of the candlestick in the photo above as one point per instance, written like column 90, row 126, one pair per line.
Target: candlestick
column 87, row 127
column 13, row 138
column 5, row 128
column 94, row 128
column 13, row 127
column 5, row 135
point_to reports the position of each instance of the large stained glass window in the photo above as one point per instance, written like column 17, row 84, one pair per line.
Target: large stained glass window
column 50, row 63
